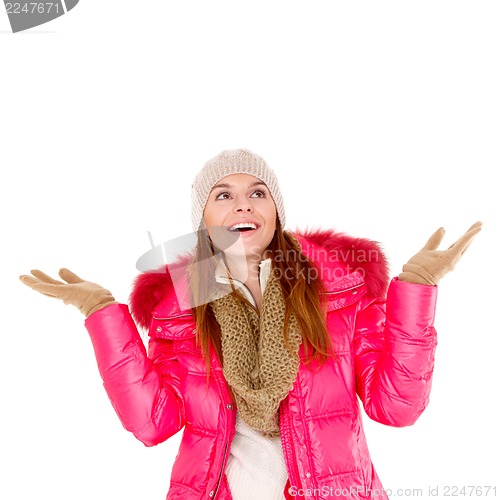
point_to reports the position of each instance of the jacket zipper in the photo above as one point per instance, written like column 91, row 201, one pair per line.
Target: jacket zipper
column 220, row 473
column 289, row 448
column 220, row 382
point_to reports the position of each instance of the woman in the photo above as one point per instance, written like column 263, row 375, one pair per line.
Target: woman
column 262, row 341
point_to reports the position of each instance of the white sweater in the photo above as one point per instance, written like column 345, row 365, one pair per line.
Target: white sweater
column 256, row 466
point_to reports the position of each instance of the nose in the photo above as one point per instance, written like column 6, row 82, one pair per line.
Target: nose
column 242, row 204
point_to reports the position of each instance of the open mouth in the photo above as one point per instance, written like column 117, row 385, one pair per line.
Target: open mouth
column 244, row 227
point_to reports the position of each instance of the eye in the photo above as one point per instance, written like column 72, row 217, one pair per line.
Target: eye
column 259, row 193
column 222, row 196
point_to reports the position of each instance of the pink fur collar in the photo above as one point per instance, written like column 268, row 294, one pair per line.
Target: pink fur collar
column 150, row 288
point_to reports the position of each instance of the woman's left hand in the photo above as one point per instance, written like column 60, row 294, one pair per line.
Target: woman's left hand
column 429, row 265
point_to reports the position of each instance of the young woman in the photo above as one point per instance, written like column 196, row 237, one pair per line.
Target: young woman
column 262, row 341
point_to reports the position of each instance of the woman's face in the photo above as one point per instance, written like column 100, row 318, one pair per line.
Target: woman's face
column 240, row 215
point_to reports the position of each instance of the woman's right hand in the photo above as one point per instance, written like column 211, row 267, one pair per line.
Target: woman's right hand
column 86, row 296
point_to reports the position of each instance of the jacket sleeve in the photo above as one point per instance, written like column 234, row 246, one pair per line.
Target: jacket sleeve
column 394, row 347
column 144, row 390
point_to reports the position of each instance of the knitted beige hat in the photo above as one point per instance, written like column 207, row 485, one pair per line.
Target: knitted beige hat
column 234, row 161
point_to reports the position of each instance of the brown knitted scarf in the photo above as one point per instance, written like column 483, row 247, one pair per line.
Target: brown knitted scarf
column 256, row 362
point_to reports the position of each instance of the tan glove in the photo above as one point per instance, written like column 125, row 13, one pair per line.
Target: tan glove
column 86, row 296
column 429, row 265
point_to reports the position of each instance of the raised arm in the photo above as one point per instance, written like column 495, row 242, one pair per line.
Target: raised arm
column 394, row 345
column 143, row 390
column 395, row 339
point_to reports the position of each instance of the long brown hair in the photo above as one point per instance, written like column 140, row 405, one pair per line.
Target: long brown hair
column 303, row 291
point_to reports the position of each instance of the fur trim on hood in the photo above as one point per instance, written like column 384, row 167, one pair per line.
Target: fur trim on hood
column 355, row 253
column 151, row 287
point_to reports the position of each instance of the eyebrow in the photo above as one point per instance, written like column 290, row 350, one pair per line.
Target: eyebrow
column 225, row 185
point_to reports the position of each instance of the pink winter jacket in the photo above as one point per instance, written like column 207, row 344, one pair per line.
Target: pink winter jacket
column 384, row 339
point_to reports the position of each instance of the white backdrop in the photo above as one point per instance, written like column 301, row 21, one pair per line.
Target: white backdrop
column 381, row 119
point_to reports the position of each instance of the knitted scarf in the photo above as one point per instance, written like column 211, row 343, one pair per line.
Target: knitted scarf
column 256, row 362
